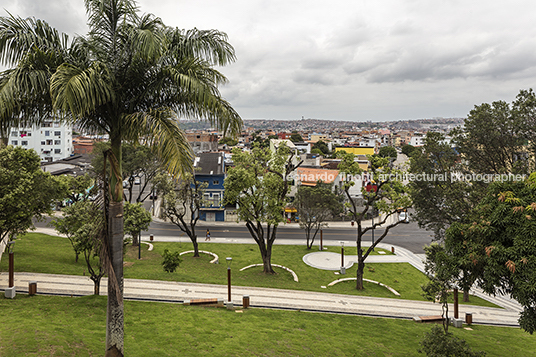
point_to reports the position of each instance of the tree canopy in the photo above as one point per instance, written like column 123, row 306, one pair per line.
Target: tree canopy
column 315, row 205
column 389, row 197
column 258, row 184
column 26, row 192
column 498, row 242
column 388, row 151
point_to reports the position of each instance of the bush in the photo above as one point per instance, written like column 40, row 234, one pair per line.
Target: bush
column 438, row 343
column 171, row 261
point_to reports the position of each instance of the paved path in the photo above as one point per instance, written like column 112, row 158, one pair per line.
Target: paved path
column 169, row 291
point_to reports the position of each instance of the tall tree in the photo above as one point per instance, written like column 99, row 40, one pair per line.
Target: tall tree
column 26, row 192
column 495, row 138
column 182, row 204
column 389, row 197
column 315, row 205
column 259, row 185
column 499, row 242
column 83, row 223
column 130, row 77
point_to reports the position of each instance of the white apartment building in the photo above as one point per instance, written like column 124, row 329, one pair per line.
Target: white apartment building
column 52, row 140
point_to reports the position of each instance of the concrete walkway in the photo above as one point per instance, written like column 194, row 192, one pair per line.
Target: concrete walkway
column 170, row 291
column 277, row 298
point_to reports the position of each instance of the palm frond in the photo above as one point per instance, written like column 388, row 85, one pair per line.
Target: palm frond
column 80, row 91
column 160, row 130
column 210, row 45
column 18, row 36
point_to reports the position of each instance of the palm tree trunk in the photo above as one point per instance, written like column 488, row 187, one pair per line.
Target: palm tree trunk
column 114, row 316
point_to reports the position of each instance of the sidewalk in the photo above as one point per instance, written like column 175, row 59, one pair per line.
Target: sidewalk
column 177, row 292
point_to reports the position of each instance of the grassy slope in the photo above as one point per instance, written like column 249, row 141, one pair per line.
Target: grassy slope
column 55, row 326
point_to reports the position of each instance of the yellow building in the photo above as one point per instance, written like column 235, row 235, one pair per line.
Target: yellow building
column 358, row 150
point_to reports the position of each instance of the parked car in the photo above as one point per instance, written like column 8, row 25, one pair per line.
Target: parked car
column 137, row 181
column 403, row 217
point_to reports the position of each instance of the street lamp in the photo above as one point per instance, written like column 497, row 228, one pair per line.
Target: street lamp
column 229, row 261
column 343, row 269
column 10, row 246
column 373, row 228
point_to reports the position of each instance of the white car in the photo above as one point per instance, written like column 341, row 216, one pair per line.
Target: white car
column 403, row 217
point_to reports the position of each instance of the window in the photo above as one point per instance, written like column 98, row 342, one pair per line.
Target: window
column 57, row 151
column 24, row 143
column 56, row 125
column 47, row 132
column 57, row 133
column 49, row 142
column 57, row 142
column 216, row 199
column 206, row 198
column 47, row 125
column 43, row 142
column 15, row 133
column 14, row 142
column 215, row 182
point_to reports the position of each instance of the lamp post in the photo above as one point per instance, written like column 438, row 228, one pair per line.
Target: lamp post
column 343, row 269
column 229, row 261
column 139, row 245
column 373, row 228
column 10, row 246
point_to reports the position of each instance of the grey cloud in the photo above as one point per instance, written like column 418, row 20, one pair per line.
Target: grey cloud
column 64, row 15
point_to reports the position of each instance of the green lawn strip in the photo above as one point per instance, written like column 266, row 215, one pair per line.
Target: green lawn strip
column 42, row 253
column 63, row 326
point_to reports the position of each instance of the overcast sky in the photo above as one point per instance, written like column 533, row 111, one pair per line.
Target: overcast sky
column 351, row 59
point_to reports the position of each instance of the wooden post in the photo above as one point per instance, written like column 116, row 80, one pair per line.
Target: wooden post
column 11, row 270
column 245, row 301
column 455, row 303
column 229, row 284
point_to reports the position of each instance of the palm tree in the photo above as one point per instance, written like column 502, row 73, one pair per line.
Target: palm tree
column 130, row 77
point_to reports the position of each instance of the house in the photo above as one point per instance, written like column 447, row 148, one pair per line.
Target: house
column 210, row 169
column 202, row 142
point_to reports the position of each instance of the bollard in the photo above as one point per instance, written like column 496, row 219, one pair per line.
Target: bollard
column 245, row 301
column 393, row 250
column 32, row 288
column 151, row 237
column 469, row 318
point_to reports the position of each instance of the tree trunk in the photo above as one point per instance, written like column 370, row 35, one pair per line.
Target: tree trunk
column 360, row 269
column 196, row 247
column 466, row 295
column 135, row 240
column 114, row 317
column 267, row 263
column 308, row 235
column 96, row 287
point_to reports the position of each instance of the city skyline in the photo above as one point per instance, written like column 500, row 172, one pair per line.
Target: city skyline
column 351, row 60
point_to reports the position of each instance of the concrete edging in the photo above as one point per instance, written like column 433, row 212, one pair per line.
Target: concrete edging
column 275, row 265
column 368, row 280
column 216, row 259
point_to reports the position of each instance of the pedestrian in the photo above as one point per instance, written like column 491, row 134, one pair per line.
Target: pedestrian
column 208, row 235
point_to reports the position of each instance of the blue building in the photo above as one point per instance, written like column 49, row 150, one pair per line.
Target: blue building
column 210, row 168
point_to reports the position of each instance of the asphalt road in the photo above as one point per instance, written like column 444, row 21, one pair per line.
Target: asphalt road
column 408, row 236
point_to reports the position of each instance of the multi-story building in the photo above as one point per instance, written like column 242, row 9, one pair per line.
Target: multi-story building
column 210, row 169
column 52, row 141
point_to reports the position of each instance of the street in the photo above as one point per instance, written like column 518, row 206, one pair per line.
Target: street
column 408, row 236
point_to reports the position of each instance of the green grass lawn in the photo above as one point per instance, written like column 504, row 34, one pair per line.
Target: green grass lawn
column 63, row 326
column 48, row 254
